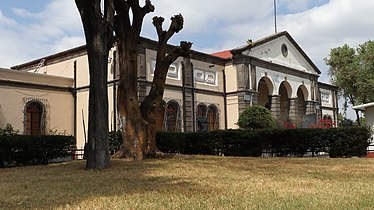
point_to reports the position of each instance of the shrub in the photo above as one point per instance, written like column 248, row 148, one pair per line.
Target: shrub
column 34, row 149
column 348, row 142
column 8, row 130
column 346, row 123
column 115, row 141
column 256, row 117
column 338, row 142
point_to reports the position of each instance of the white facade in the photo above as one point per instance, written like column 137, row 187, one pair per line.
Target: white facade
column 369, row 116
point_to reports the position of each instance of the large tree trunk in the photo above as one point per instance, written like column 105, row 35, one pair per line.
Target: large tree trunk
column 134, row 127
column 99, row 35
column 139, row 122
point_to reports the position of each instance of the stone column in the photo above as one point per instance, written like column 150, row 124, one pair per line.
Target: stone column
column 294, row 109
column 188, row 99
column 275, row 106
column 254, row 98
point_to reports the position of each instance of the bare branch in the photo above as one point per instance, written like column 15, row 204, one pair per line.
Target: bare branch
column 148, row 7
column 157, row 22
column 122, row 19
column 175, row 26
column 109, row 11
column 182, row 50
column 176, row 23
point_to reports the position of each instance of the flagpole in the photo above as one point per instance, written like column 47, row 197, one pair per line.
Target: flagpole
column 275, row 15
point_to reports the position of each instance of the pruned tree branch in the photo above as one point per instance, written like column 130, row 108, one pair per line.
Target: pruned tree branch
column 109, row 11
column 176, row 25
column 157, row 22
column 148, row 7
column 158, row 83
column 182, row 50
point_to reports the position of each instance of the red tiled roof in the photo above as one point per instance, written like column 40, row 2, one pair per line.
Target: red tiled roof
column 223, row 54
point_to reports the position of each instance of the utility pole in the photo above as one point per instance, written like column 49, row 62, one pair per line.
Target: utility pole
column 275, row 16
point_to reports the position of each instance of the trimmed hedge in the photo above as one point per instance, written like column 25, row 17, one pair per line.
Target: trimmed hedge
column 337, row 142
column 28, row 150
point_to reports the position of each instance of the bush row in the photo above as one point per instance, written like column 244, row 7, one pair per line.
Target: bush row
column 337, row 142
column 28, row 150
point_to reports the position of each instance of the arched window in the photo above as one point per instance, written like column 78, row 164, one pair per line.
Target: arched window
column 172, row 117
column 201, row 118
column 285, row 92
column 212, row 118
column 34, row 118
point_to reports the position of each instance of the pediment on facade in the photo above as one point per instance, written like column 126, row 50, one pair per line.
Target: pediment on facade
column 280, row 49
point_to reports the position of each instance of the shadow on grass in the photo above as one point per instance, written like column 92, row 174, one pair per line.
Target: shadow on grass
column 69, row 184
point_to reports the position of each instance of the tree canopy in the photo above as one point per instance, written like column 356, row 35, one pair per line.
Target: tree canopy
column 352, row 70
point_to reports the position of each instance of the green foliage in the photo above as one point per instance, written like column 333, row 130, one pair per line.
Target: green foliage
column 27, row 150
column 352, row 70
column 348, row 142
column 362, row 121
column 345, row 122
column 338, row 142
column 115, row 141
column 256, row 117
column 8, row 130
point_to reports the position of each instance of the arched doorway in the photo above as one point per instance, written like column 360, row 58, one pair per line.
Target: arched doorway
column 265, row 89
column 212, row 118
column 284, row 93
column 34, row 113
column 302, row 95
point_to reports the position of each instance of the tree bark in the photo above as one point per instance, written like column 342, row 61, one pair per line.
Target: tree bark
column 358, row 117
column 139, row 122
column 99, row 37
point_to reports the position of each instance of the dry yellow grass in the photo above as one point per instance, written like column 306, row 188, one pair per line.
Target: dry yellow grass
column 194, row 182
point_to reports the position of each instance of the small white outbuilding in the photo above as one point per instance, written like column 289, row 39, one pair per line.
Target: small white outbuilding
column 369, row 115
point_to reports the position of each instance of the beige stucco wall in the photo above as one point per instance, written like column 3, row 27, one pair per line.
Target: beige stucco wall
column 231, row 80
column 232, row 112
column 65, row 68
column 214, row 68
column 83, row 112
column 59, row 106
column 17, row 88
column 34, row 78
column 82, row 118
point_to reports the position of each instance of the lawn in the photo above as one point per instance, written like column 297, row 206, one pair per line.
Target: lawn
column 193, row 182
